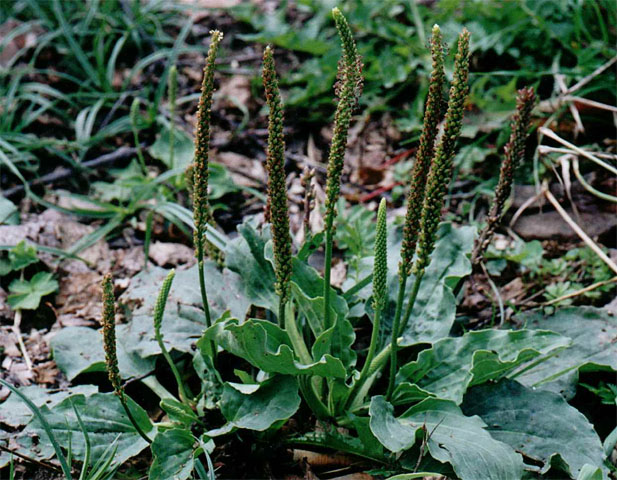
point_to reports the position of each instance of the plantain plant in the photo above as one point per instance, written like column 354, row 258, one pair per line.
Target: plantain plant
column 420, row 397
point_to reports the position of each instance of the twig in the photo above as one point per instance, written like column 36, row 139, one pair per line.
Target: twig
column 585, row 80
column 589, row 188
column 31, row 460
column 62, row 173
column 502, row 313
column 581, row 291
column 544, row 149
column 578, row 230
column 549, row 133
column 526, row 204
column 20, row 340
column 591, row 103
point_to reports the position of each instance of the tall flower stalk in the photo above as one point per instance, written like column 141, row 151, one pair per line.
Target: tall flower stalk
column 514, row 152
column 201, row 207
column 348, row 89
column 277, row 189
column 441, row 170
column 109, row 344
column 417, row 187
column 380, row 296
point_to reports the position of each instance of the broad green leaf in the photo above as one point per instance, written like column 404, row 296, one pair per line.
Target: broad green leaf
column 27, row 294
column 178, row 412
column 184, row 319
column 452, row 437
column 589, row 472
column 258, row 407
column 266, row 346
column 105, row 421
column 172, row 452
column 455, row 363
column 539, row 424
column 245, row 256
column 211, row 383
column 15, row 413
column 593, row 332
column 79, row 350
column 435, row 307
column 250, row 255
column 184, row 149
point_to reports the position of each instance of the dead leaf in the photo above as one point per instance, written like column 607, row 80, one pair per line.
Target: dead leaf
column 233, row 91
column 171, row 254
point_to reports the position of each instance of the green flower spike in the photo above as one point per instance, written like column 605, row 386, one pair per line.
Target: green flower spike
column 109, row 334
column 514, row 154
column 425, row 153
column 201, row 207
column 348, row 89
column 277, row 189
column 441, row 168
column 380, row 297
column 109, row 344
column 417, row 188
column 439, row 176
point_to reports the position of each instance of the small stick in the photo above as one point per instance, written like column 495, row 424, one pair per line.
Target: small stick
column 584, row 153
column 584, row 81
column 578, row 230
column 62, row 173
column 20, row 340
column 589, row 288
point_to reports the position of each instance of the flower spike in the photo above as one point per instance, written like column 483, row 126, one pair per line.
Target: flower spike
column 277, row 189
column 514, row 153
column 425, row 153
column 109, row 334
column 380, row 267
column 348, row 89
column 441, row 167
column 201, row 207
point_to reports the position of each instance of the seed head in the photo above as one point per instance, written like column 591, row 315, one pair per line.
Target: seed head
column 201, row 208
column 514, row 152
column 425, row 153
column 109, row 334
column 348, row 90
column 277, row 188
column 380, row 267
column 441, row 167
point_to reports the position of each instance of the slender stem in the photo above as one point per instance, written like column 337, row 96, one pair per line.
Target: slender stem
column 315, row 404
column 202, row 286
column 281, row 316
column 132, row 419
column 372, row 349
column 133, row 117
column 306, row 385
column 326, row 284
column 377, row 364
column 295, row 336
column 412, row 301
column 184, row 398
column 204, row 294
column 402, row 283
column 153, row 384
